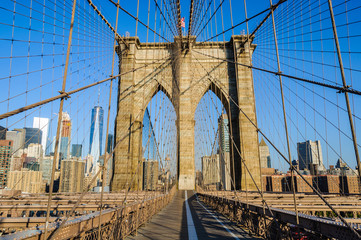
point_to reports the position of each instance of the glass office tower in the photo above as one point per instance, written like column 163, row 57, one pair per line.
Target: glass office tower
column 96, row 133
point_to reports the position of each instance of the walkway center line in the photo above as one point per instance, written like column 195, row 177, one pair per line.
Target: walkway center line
column 192, row 234
column 235, row 237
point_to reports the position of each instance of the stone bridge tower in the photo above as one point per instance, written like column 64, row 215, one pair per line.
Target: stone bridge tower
column 184, row 74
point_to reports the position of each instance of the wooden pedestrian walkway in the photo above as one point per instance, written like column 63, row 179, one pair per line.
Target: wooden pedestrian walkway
column 189, row 219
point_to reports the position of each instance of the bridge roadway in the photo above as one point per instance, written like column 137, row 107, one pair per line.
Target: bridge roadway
column 187, row 217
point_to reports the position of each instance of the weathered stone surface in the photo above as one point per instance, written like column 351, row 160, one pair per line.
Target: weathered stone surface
column 184, row 75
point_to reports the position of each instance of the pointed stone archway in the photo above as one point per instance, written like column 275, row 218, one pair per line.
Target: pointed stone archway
column 184, row 75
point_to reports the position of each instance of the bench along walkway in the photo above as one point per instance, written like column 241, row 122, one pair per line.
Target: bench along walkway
column 186, row 217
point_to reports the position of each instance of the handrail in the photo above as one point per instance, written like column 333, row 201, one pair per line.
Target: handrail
column 113, row 217
column 252, row 213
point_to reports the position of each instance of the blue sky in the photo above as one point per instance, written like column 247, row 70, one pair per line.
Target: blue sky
column 32, row 65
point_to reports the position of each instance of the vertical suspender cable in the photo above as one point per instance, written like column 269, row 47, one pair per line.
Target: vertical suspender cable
column 230, row 10
column 284, row 114
column 56, row 153
column 155, row 24
column 107, row 133
column 148, row 20
column 190, row 22
column 179, row 20
column 136, row 23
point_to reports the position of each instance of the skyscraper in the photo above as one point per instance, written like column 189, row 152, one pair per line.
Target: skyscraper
column 225, row 161
column 35, row 150
column 3, row 133
column 76, row 150
column 110, row 143
column 210, row 171
column 32, row 135
column 44, row 126
column 65, row 125
column 88, row 164
column 18, row 138
column 223, row 132
column 72, row 175
column 264, row 154
column 96, row 133
column 52, row 146
column 26, row 180
column 150, row 174
column 5, row 158
column 64, row 145
column 310, row 152
column 65, row 132
column 46, row 165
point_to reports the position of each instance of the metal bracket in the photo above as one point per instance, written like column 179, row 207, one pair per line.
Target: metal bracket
column 66, row 95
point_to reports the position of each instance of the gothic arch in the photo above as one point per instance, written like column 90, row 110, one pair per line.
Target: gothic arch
column 157, row 87
column 218, row 92
column 185, row 76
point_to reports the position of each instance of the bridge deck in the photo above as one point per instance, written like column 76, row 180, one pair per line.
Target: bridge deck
column 195, row 221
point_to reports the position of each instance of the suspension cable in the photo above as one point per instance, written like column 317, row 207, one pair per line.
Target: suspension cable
column 340, row 89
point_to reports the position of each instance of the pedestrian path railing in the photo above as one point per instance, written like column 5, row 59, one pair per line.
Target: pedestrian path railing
column 114, row 223
column 274, row 223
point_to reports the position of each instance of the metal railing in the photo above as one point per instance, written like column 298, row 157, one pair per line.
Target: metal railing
column 116, row 223
column 279, row 225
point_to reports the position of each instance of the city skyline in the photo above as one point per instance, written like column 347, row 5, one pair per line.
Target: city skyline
column 199, row 119
column 301, row 130
column 38, row 134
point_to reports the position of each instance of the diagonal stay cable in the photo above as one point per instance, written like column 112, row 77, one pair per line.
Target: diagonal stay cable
column 137, row 19
column 52, row 235
column 173, row 9
column 340, row 89
column 236, row 147
column 292, row 167
column 67, row 94
column 106, row 22
column 265, row 18
column 169, row 17
column 161, row 12
column 219, row 6
column 190, row 21
column 316, row 111
column 179, row 20
column 238, row 24
column 108, row 156
column 205, row 13
column 197, row 13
